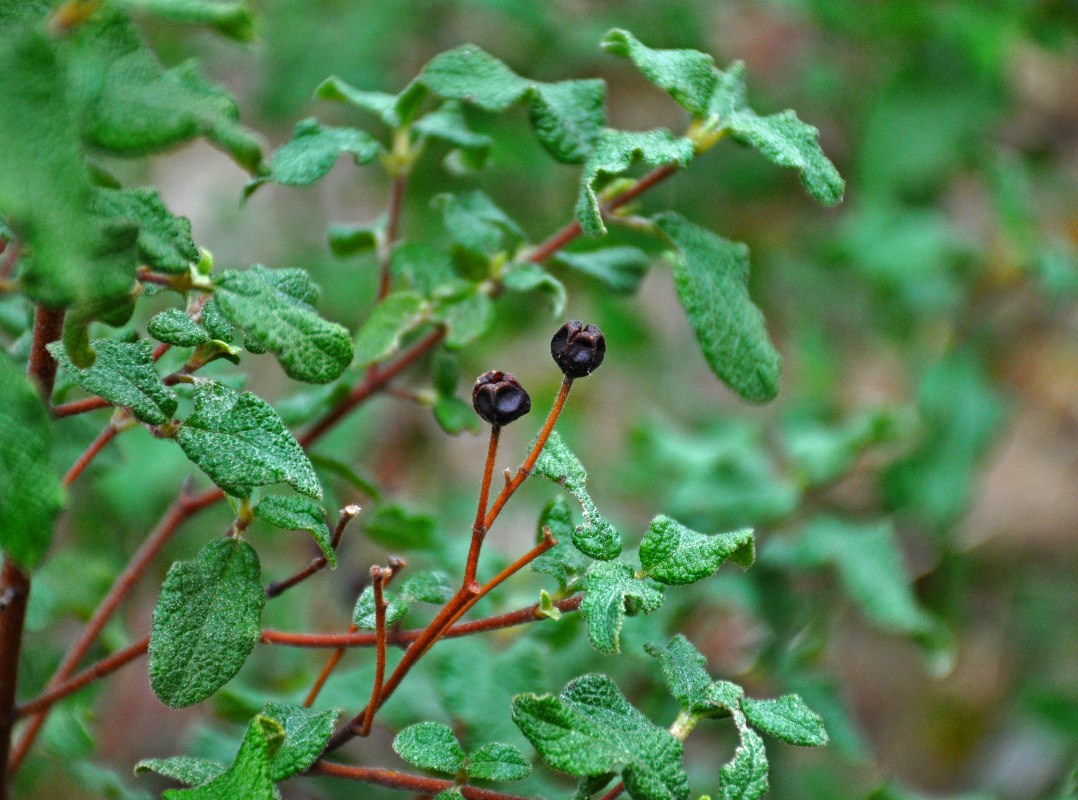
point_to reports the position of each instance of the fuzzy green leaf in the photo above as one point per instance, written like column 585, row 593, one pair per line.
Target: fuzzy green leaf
column 250, row 775
column 430, row 745
column 129, row 104
column 164, row 241
column 232, row 19
column 364, row 616
column 568, row 117
column 524, row 276
column 564, row 562
column 616, row 151
column 123, row 374
column 394, row 110
column 298, row 514
column 313, row 150
column 240, row 442
column 185, row 769
column 673, row 554
column 275, row 309
column 688, row 75
column 712, row 283
column 207, row 620
column 305, row 735
column 428, row 269
column 596, row 538
column 611, row 587
column 786, row 718
column 455, row 416
column 29, row 484
column 781, row 138
column 620, row 269
column 391, row 319
column 591, row 729
column 395, row 528
column 685, row 670
column 348, row 240
column 174, row 327
column 426, row 587
column 498, row 762
column 745, row 777
column 214, row 321
column 467, row 316
column 448, row 125
column 45, row 186
column 468, row 73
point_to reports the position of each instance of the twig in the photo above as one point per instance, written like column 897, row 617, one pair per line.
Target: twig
column 74, row 407
column 48, row 325
column 378, row 576
column 614, row 793
column 409, row 783
column 276, row 588
column 15, row 585
column 102, row 439
column 479, row 529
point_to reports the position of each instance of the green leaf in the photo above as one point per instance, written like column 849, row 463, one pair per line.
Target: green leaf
column 455, row 416
column 130, row 105
column 430, row 745
column 364, row 616
column 781, row 138
column 447, row 124
column 395, row 528
column 568, row 117
column 684, row 668
column 745, row 777
column 249, row 776
column 445, row 372
column 524, row 276
column 688, row 75
column 426, row 587
column 207, row 620
column 498, row 762
column 240, row 442
column 395, row 110
column 123, row 374
column 616, row 151
column 305, row 735
column 620, row 269
column 428, row 269
column 467, row 317
column 174, row 327
column 611, row 587
column 164, row 242
column 477, row 224
column 298, row 514
column 312, row 152
column 468, row 73
column 564, row 562
column 348, row 240
column 596, row 538
column 214, row 321
column 29, row 484
column 45, row 187
column 391, row 319
column 786, row 718
column 712, row 276
column 825, row 452
column 232, row 19
column 591, row 729
column 275, row 309
column 673, row 554
column 185, row 769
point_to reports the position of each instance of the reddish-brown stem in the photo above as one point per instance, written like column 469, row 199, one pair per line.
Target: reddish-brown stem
column 78, row 407
column 182, row 507
column 614, row 792
column 396, row 204
column 533, row 456
column 409, row 783
column 90, row 452
column 378, row 576
column 323, row 676
column 14, row 593
column 48, row 325
column 157, row 278
column 479, row 529
column 11, row 256
column 87, row 676
column 276, row 588
column 335, row 640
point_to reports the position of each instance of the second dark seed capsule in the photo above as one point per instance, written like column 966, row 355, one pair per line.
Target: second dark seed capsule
column 578, row 349
column 499, row 398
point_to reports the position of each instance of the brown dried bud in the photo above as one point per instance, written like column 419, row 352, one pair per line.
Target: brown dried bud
column 499, row 398
column 578, row 348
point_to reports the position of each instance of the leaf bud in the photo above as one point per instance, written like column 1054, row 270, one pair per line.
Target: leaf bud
column 578, row 349
column 499, row 398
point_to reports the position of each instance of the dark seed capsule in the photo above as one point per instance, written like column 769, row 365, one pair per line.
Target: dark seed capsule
column 578, row 348
column 499, row 398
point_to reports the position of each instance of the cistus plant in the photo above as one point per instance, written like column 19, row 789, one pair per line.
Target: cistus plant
column 85, row 256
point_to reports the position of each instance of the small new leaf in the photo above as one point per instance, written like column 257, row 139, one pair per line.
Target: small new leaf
column 712, row 275
column 240, row 442
column 174, row 327
column 250, row 775
column 430, row 745
column 611, row 587
column 786, row 718
column 275, row 310
column 616, row 151
column 207, row 620
column 673, row 554
column 497, row 762
column 123, row 374
column 591, row 729
column 298, row 514
column 305, row 735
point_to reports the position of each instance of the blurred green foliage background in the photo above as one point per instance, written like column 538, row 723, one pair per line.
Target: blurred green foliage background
column 929, row 410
